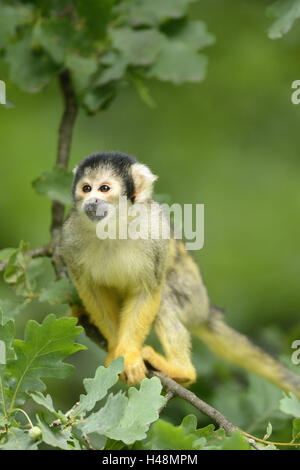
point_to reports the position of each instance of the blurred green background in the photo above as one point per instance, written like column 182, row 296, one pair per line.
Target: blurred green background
column 231, row 142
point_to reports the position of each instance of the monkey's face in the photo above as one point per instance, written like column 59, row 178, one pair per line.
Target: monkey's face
column 102, row 179
column 96, row 191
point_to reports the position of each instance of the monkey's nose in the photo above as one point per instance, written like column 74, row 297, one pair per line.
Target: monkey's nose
column 96, row 209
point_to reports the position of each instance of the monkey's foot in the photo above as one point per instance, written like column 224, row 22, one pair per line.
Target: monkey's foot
column 109, row 357
column 185, row 375
column 135, row 369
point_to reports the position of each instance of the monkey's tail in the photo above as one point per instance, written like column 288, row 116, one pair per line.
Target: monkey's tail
column 238, row 349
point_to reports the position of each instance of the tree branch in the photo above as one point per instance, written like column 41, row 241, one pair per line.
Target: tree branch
column 179, row 391
column 63, row 154
column 35, row 253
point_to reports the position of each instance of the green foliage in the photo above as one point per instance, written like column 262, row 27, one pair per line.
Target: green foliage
column 154, row 13
column 286, row 13
column 97, row 387
column 12, row 17
column 127, row 418
column 122, row 418
column 59, row 292
column 17, row 439
column 102, row 43
column 101, row 419
column 55, row 184
column 290, row 405
column 164, row 436
column 41, row 354
column 22, row 271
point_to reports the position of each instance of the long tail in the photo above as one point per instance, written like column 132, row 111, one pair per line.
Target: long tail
column 236, row 348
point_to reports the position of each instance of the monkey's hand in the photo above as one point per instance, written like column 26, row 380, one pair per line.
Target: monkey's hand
column 135, row 369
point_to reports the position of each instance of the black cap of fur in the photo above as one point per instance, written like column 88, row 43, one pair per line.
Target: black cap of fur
column 118, row 161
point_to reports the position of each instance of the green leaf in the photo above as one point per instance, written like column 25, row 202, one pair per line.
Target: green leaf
column 10, row 18
column 55, row 184
column 215, row 440
column 195, row 35
column 97, row 387
column 253, row 409
column 142, row 89
column 286, row 12
column 31, row 69
column 7, row 333
column 42, row 352
column 17, row 439
column 13, row 307
column 96, row 14
column 114, row 68
column 6, row 253
column 137, row 47
column 128, row 419
column 83, row 70
column 166, row 436
column 296, row 429
column 57, row 36
column 178, row 63
column 268, row 432
column 17, row 270
column 155, row 12
column 17, row 264
column 22, row 271
column 290, row 405
column 59, row 292
column 189, row 424
column 46, row 402
column 99, row 98
column 206, row 431
column 54, row 436
column 236, row 441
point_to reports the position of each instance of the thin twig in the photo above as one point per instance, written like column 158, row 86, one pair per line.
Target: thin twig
column 178, row 390
column 58, row 421
column 169, row 395
column 63, row 155
column 266, row 442
column 88, row 442
column 35, row 253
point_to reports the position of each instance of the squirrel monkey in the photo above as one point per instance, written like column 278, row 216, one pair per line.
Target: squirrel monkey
column 129, row 284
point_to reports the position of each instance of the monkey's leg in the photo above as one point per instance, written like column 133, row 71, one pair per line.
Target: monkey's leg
column 175, row 340
column 136, row 317
column 103, row 311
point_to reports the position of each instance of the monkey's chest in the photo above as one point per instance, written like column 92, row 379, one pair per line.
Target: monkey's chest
column 116, row 264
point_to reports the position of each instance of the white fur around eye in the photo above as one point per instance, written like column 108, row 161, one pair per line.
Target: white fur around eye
column 143, row 180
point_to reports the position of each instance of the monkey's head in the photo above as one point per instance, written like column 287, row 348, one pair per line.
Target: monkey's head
column 102, row 178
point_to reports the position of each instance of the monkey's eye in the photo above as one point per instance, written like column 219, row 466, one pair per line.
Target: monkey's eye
column 86, row 188
column 104, row 188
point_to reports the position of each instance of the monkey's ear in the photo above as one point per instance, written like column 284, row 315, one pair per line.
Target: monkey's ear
column 74, row 170
column 143, row 180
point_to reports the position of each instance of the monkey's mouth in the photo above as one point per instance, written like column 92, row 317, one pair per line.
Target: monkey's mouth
column 94, row 216
column 96, row 211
